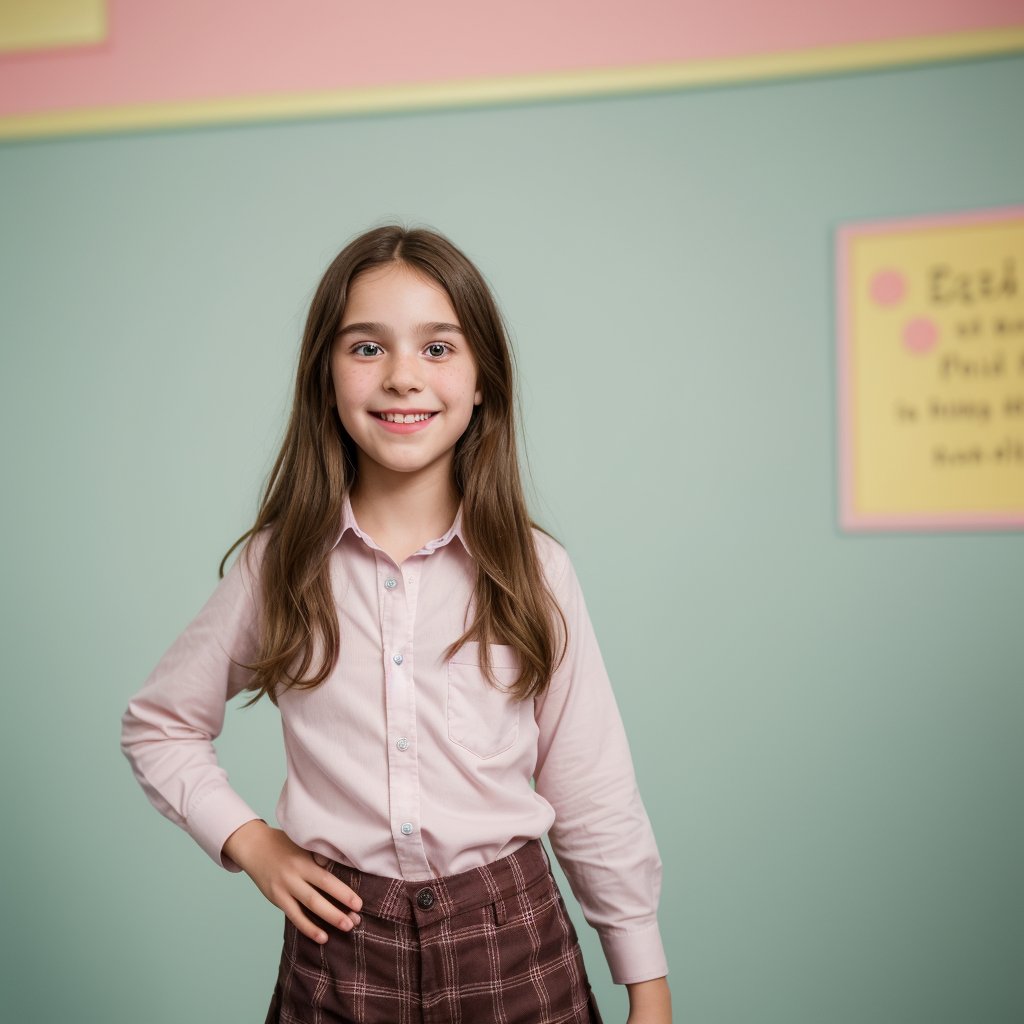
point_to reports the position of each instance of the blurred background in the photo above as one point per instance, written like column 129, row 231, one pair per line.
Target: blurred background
column 826, row 723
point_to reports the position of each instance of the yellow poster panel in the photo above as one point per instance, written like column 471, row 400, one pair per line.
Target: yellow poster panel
column 931, row 372
column 45, row 24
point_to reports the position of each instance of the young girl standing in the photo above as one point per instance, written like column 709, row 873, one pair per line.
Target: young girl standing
column 430, row 653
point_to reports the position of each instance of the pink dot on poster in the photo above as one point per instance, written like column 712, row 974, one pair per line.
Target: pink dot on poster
column 920, row 335
column 888, row 287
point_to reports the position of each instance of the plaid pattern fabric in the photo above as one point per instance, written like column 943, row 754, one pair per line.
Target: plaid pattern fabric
column 493, row 944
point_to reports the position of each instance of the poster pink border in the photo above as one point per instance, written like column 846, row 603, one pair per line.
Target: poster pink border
column 850, row 518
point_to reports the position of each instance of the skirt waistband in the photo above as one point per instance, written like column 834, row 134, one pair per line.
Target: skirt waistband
column 430, row 899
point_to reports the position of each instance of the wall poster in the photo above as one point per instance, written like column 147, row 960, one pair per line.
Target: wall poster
column 931, row 372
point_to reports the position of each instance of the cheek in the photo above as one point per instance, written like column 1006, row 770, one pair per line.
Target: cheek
column 458, row 384
column 351, row 384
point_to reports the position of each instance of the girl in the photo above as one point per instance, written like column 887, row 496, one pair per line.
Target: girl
column 430, row 653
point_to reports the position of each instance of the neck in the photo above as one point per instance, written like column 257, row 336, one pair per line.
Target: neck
column 387, row 504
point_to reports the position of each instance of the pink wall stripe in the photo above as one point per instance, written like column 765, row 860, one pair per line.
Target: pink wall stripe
column 159, row 51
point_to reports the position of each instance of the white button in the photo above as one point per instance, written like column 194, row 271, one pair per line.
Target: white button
column 398, row 659
column 402, row 743
column 391, row 583
column 407, row 828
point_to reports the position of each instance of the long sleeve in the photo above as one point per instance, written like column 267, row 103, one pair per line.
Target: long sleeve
column 602, row 835
column 168, row 729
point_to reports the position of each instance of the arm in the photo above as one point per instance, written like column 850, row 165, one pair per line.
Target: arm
column 168, row 729
column 167, row 735
column 650, row 1002
column 601, row 836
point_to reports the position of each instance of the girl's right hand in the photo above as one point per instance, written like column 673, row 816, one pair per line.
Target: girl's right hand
column 289, row 877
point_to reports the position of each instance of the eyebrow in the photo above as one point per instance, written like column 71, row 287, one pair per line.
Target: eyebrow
column 375, row 327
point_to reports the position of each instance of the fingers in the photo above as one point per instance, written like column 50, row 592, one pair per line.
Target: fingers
column 323, row 907
column 304, row 925
column 341, row 892
column 324, row 910
column 320, row 905
column 338, row 889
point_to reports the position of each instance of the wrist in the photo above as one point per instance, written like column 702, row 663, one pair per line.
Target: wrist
column 650, row 995
column 237, row 845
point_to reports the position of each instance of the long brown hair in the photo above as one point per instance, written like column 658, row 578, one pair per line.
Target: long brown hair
column 304, row 493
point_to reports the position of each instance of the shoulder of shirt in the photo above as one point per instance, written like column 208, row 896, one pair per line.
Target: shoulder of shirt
column 247, row 559
column 255, row 544
column 554, row 558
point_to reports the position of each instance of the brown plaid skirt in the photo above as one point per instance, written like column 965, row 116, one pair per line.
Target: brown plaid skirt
column 493, row 944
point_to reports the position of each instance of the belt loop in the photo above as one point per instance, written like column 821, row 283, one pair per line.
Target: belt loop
column 499, row 911
column 544, row 853
column 327, row 862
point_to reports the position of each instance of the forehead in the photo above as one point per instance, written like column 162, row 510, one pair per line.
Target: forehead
column 396, row 294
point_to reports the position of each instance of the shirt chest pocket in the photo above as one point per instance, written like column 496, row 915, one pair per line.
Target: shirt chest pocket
column 482, row 719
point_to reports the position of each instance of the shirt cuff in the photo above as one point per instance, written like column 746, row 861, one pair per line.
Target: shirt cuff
column 634, row 956
column 212, row 820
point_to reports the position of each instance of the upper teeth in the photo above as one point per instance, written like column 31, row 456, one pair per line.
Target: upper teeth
column 392, row 417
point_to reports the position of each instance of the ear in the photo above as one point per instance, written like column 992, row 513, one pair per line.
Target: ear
column 478, row 398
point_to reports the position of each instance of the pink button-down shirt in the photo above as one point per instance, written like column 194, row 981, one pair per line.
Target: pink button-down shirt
column 407, row 765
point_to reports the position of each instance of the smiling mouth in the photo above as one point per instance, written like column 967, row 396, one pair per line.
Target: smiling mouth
column 392, row 417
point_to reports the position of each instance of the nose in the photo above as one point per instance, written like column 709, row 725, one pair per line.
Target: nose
column 403, row 374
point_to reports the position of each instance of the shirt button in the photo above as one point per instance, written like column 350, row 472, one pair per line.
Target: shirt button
column 425, row 898
column 391, row 583
column 406, row 828
column 398, row 659
column 402, row 744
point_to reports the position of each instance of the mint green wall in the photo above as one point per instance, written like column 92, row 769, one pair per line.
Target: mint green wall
column 827, row 729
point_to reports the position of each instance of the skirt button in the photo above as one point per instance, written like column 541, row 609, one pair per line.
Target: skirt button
column 425, row 898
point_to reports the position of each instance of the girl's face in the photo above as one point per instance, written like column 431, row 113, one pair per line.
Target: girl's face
column 400, row 351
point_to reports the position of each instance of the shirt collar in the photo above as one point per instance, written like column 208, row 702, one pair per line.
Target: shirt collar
column 348, row 522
